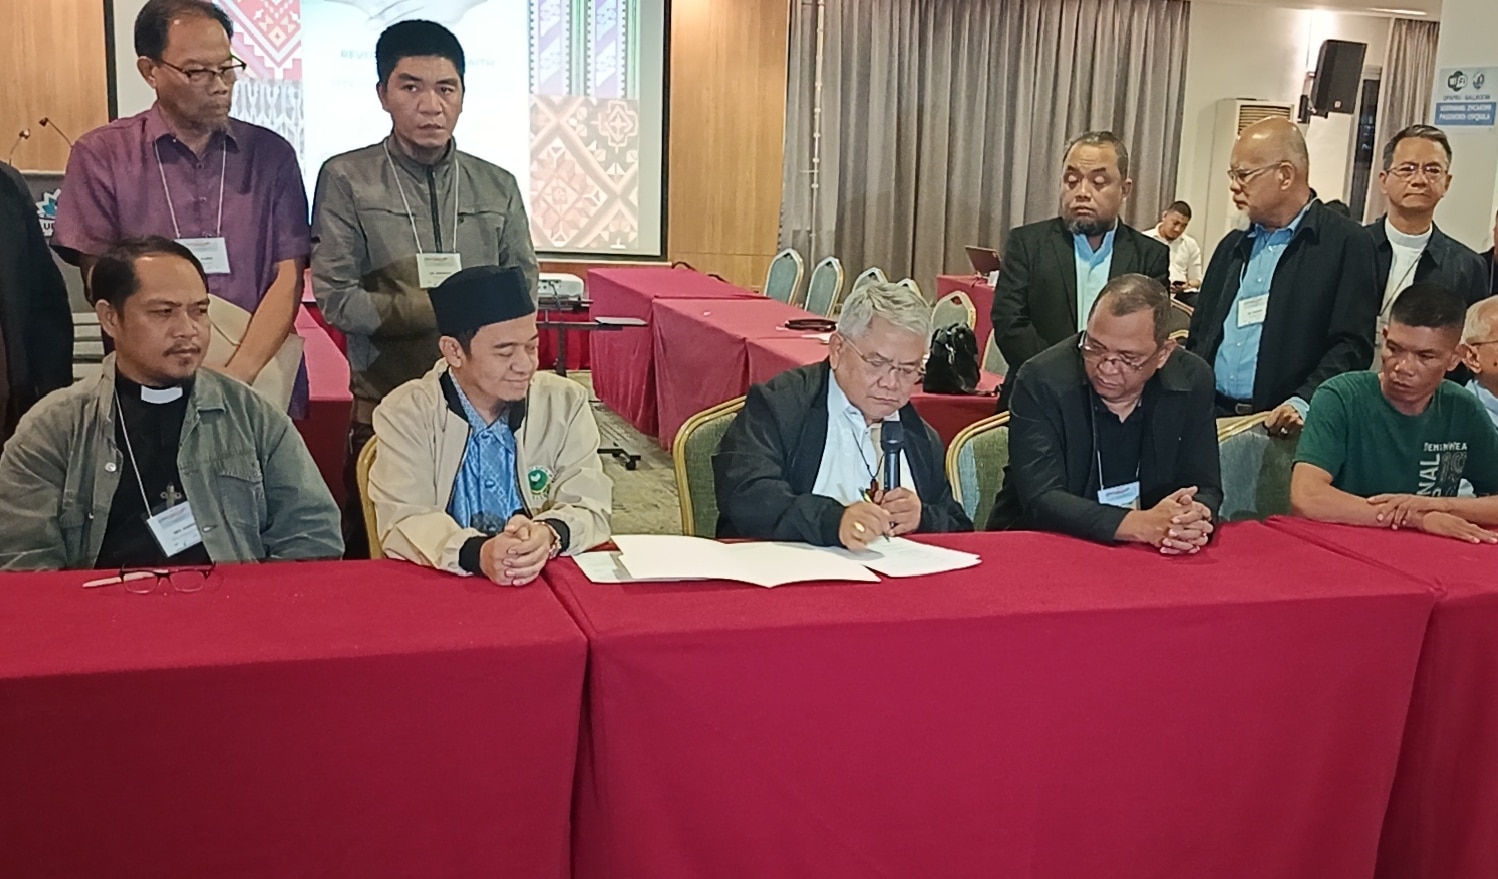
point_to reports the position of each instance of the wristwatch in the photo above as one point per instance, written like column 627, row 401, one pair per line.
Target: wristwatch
column 556, row 540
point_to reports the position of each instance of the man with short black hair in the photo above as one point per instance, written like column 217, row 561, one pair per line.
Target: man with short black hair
column 36, row 323
column 1111, row 432
column 183, row 169
column 1185, row 253
column 392, row 220
column 159, row 462
column 1054, row 269
column 1390, row 449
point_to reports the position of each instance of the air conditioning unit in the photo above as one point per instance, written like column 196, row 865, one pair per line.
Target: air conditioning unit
column 1233, row 115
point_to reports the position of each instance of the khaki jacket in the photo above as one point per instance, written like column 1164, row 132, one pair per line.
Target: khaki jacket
column 421, row 445
column 254, row 489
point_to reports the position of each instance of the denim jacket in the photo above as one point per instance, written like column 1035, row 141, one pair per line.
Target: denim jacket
column 255, row 492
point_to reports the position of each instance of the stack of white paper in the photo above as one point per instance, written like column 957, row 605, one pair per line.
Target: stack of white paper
column 670, row 557
column 898, row 557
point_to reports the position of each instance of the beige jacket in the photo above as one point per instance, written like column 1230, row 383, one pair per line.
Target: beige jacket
column 421, row 445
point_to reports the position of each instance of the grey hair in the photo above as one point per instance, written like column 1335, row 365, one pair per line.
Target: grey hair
column 1102, row 138
column 900, row 306
column 1481, row 318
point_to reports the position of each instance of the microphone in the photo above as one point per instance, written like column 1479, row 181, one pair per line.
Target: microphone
column 891, row 440
column 46, row 122
column 23, row 134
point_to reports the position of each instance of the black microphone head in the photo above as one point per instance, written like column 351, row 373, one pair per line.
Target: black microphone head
column 891, row 436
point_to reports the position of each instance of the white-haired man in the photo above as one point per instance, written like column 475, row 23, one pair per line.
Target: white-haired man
column 1480, row 353
column 802, row 461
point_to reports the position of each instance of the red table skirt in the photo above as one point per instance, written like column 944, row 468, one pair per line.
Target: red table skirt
column 1063, row 710
column 579, row 355
column 947, row 414
column 365, row 719
column 325, row 429
column 977, row 289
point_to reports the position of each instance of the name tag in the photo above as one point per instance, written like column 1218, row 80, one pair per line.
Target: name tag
column 1126, row 496
column 434, row 268
column 993, row 278
column 1252, row 311
column 175, row 529
column 213, row 253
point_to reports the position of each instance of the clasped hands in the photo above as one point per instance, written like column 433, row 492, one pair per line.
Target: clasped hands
column 1178, row 525
column 886, row 514
column 516, row 555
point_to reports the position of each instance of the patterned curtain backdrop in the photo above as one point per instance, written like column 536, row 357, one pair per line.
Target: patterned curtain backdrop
column 268, row 37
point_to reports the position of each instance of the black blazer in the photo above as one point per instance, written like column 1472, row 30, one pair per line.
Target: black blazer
column 1446, row 261
column 1323, row 303
column 768, row 460
column 34, row 312
column 1051, row 481
column 1035, row 301
column 1490, row 269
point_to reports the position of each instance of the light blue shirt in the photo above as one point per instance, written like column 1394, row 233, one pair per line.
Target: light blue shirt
column 485, row 493
column 1092, row 272
column 1237, row 360
column 1485, row 396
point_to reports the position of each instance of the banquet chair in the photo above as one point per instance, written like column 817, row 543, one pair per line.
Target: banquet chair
column 993, row 358
column 1255, row 469
column 954, row 308
column 975, row 465
column 783, row 280
column 1180, row 317
column 692, row 459
column 361, row 477
column 870, row 275
column 912, row 286
column 825, row 289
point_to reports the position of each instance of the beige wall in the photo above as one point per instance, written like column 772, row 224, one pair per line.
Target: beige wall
column 726, row 128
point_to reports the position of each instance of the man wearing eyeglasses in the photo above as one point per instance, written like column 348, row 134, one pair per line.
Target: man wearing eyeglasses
column 803, row 460
column 1111, row 432
column 1292, row 301
column 1409, row 247
column 1480, row 353
column 230, row 191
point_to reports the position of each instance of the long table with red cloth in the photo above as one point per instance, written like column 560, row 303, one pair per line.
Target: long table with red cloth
column 325, row 429
column 1062, row 710
column 1443, row 814
column 297, row 719
column 948, row 414
column 623, row 361
column 977, row 289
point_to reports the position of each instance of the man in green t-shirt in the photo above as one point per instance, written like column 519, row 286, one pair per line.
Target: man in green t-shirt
column 1390, row 449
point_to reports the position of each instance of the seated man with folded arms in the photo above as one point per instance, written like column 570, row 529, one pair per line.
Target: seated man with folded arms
column 1111, row 433
column 1390, row 449
column 484, row 465
column 1480, row 353
column 802, row 460
column 159, row 462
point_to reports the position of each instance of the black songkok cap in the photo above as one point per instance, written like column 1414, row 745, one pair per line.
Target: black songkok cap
column 479, row 296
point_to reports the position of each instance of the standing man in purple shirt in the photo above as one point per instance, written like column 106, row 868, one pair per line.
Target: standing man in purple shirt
column 228, row 190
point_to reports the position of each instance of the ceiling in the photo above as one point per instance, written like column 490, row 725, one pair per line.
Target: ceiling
column 1387, row 8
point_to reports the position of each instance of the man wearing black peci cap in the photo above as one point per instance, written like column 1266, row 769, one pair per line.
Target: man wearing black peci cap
column 484, row 465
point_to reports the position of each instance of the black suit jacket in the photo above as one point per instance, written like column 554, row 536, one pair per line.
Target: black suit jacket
column 1445, row 261
column 1051, row 481
column 1035, row 301
column 1490, row 269
column 768, row 460
column 1323, row 302
column 34, row 313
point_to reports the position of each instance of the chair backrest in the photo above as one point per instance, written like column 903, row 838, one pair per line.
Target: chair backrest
column 825, row 288
column 692, row 457
column 361, row 478
column 912, row 286
column 975, row 465
column 783, row 280
column 1255, row 469
column 870, row 275
column 993, row 358
column 954, row 308
column 1180, row 317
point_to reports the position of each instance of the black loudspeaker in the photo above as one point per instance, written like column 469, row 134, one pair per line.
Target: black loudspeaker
column 1339, row 72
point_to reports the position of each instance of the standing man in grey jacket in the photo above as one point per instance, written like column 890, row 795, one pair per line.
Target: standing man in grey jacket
column 392, row 220
column 159, row 462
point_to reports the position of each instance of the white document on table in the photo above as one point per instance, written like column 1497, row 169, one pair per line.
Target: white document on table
column 768, row 564
column 898, row 557
column 602, row 566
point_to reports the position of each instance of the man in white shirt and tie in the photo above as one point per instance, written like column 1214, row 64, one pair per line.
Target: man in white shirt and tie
column 1185, row 253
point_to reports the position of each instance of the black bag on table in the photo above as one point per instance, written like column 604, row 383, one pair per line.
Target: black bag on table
column 953, row 365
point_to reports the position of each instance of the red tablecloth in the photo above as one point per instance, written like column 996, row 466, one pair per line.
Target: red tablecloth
column 1064, row 710
column 700, row 353
column 948, row 414
column 977, row 289
column 319, row 719
column 325, row 429
column 578, row 354
column 1443, row 814
column 623, row 361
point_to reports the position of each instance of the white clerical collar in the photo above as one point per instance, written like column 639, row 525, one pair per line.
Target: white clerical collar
column 1408, row 242
column 160, row 396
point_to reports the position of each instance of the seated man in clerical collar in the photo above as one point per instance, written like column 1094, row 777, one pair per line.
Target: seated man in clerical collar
column 159, row 462
column 484, row 465
column 1111, row 432
column 1390, row 449
column 803, row 462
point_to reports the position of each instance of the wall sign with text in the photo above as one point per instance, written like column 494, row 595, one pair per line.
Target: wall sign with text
column 1466, row 97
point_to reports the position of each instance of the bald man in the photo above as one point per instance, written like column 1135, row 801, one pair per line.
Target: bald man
column 1299, row 283
column 1480, row 353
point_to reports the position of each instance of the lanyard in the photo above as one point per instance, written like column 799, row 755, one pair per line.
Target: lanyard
column 222, row 171
column 410, row 215
column 130, row 450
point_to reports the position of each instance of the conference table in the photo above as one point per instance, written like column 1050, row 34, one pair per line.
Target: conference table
column 292, row 719
column 1062, row 710
column 979, row 291
column 1443, row 814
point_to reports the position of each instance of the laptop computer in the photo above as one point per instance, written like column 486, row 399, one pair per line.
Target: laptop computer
column 985, row 260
